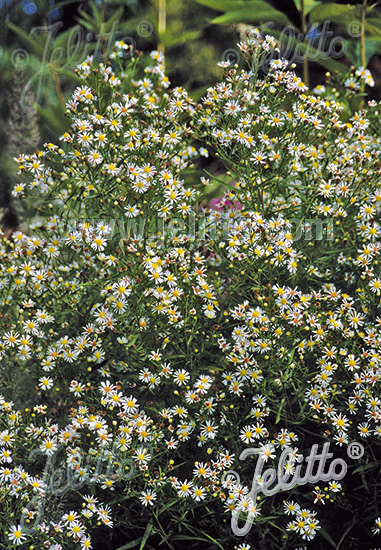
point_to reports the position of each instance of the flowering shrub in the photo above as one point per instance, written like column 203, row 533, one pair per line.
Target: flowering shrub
column 161, row 339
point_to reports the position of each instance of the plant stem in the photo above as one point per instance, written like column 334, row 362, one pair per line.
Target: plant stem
column 362, row 47
column 53, row 71
column 304, row 29
column 162, row 23
column 57, row 84
column 102, row 18
column 162, row 530
column 362, row 36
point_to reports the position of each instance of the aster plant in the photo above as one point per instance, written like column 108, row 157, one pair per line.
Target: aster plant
column 166, row 342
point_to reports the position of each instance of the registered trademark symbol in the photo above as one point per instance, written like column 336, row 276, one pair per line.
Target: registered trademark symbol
column 145, row 29
column 355, row 450
column 231, row 56
column 354, row 29
column 230, row 476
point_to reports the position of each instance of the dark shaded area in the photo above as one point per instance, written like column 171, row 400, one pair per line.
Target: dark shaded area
column 288, row 7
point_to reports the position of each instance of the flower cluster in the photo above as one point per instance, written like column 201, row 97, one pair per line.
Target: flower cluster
column 162, row 337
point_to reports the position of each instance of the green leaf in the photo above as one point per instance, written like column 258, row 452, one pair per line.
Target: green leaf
column 146, row 535
column 61, row 4
column 373, row 28
column 115, row 17
column 171, row 39
column 96, row 14
column 328, row 538
column 223, row 5
column 68, row 74
column 338, row 13
column 207, row 539
column 91, row 22
column 273, row 524
column 54, row 116
column 280, row 410
column 84, row 15
column 354, row 521
column 88, row 26
column 256, row 11
column 174, row 502
column 308, row 5
column 223, row 183
column 366, row 467
column 35, row 43
column 131, row 340
column 186, row 537
column 372, row 46
column 131, row 544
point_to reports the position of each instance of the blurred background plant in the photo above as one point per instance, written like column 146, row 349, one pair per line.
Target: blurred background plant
column 42, row 41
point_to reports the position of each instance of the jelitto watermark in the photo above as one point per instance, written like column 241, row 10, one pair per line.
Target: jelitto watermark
column 272, row 481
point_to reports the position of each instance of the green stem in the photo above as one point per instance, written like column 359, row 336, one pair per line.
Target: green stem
column 53, row 71
column 57, row 84
column 165, row 537
column 304, row 29
column 162, row 22
column 103, row 41
column 362, row 47
column 362, row 36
